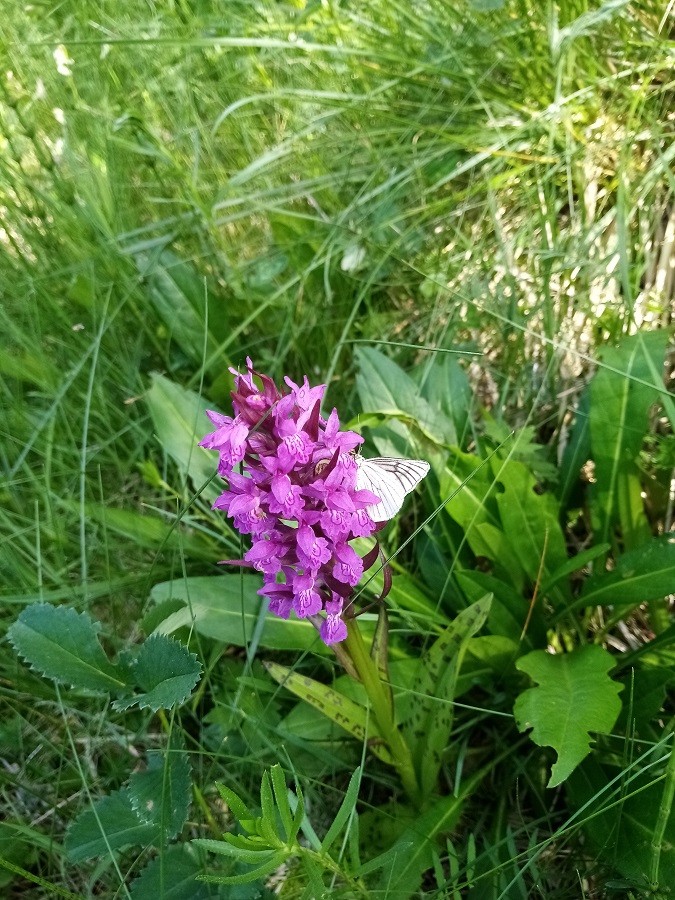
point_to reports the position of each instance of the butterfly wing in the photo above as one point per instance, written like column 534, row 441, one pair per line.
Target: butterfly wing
column 390, row 479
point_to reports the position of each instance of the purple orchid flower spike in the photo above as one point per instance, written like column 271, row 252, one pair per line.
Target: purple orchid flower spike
column 296, row 496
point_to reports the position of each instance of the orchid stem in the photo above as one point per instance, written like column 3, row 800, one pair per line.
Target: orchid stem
column 378, row 694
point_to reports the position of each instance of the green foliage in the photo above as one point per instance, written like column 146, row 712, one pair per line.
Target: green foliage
column 227, row 608
column 622, row 394
column 646, row 573
column 574, row 695
column 627, row 805
column 151, row 809
column 271, row 839
column 292, row 181
column 172, row 875
column 355, row 718
column 435, row 687
column 62, row 644
column 179, row 419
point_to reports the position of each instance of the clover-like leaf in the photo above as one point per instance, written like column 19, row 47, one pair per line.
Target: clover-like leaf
column 165, row 671
column 109, row 825
column 150, row 809
column 575, row 696
column 63, row 644
column 160, row 795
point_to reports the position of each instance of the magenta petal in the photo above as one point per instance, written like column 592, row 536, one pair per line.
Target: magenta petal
column 333, row 630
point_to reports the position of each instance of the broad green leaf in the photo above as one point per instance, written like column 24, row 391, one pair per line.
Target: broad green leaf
column 111, row 825
column 646, row 573
column 574, row 696
column 408, row 594
column 467, row 486
column 521, row 446
column 153, row 532
column 530, row 521
column 180, row 422
column 621, row 397
column 312, row 727
column 349, row 715
column 160, row 795
column 165, row 671
column 384, row 388
column 226, row 608
column 623, row 833
column 445, row 386
column 489, row 657
column 151, row 809
column 172, row 876
column 62, row 644
column 574, row 564
column 430, row 724
column 180, row 297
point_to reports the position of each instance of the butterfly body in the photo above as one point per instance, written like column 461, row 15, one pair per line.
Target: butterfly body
column 390, row 479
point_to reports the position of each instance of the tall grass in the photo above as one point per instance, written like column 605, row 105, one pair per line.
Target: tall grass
column 180, row 188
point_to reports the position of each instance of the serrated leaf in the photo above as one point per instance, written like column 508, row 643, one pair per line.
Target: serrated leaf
column 165, row 671
column 435, row 687
column 575, row 696
column 63, row 644
column 160, row 796
column 111, row 825
column 349, row 715
column 172, row 876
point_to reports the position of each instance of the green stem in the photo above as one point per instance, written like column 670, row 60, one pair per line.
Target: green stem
column 378, row 694
column 662, row 818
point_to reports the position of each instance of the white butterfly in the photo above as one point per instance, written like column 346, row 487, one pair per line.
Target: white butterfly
column 390, row 479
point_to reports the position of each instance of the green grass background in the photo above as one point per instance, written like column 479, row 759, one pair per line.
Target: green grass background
column 183, row 184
